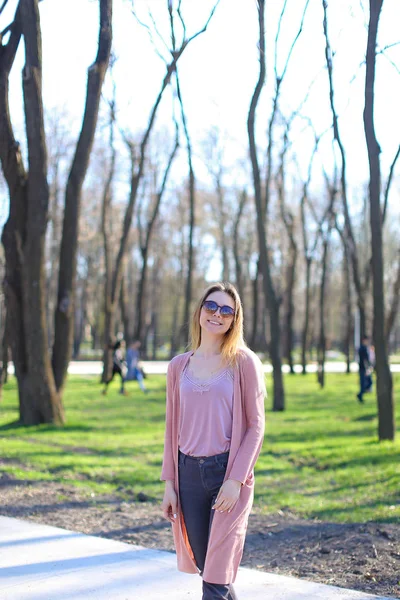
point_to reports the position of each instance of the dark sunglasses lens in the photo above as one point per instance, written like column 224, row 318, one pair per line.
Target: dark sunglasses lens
column 227, row 311
column 210, row 306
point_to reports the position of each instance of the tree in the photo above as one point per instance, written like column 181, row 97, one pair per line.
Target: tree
column 360, row 286
column 386, row 425
column 39, row 385
column 271, row 300
column 138, row 158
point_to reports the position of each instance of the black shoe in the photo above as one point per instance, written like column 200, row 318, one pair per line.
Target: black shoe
column 360, row 398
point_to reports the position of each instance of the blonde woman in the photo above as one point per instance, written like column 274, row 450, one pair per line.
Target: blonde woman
column 214, row 433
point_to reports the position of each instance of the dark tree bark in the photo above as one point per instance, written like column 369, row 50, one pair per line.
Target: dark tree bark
column 394, row 304
column 289, row 223
column 24, row 233
column 64, row 316
column 236, row 243
column 125, row 316
column 109, row 302
column 271, row 299
column 386, row 426
column 309, row 252
column 184, row 335
column 3, row 345
column 348, row 302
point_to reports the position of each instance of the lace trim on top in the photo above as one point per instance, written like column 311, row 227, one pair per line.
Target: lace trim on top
column 202, row 386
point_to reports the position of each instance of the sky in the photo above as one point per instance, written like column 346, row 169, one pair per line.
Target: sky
column 219, row 70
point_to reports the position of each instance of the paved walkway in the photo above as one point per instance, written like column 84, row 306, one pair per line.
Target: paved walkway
column 95, row 367
column 38, row 562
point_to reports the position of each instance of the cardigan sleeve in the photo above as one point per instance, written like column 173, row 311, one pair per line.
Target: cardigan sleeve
column 168, row 471
column 253, row 394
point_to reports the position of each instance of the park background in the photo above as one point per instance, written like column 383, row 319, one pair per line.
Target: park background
column 119, row 241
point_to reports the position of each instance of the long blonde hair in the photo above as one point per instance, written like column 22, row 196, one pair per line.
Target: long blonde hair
column 233, row 338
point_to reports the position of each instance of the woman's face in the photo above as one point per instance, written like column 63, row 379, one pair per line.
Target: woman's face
column 213, row 322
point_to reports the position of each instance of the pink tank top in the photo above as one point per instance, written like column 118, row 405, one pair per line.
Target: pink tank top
column 206, row 414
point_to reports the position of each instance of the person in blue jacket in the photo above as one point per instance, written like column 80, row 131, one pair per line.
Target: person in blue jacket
column 134, row 373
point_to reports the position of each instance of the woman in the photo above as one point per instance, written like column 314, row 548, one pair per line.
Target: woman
column 214, row 433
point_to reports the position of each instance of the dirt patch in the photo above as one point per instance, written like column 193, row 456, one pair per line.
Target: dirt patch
column 363, row 557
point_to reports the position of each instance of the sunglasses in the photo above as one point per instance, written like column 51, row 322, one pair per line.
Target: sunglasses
column 225, row 311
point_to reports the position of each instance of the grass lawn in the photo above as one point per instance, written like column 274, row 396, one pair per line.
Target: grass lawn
column 321, row 458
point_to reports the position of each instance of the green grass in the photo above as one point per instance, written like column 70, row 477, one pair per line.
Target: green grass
column 320, row 459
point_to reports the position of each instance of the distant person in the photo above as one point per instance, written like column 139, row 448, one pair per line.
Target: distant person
column 135, row 372
column 214, row 433
column 364, row 365
column 119, row 366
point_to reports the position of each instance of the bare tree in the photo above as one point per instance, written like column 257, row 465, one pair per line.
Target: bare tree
column 40, row 386
column 138, row 161
column 236, row 251
column 184, row 334
column 309, row 254
column 288, row 220
column 326, row 230
column 64, row 326
column 359, row 285
column 145, row 238
column 386, row 426
column 348, row 301
column 24, row 233
column 262, row 201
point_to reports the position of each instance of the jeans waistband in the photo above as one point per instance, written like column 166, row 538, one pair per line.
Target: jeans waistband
column 216, row 458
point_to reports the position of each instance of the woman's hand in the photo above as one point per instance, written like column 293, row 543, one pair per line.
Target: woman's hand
column 228, row 495
column 170, row 502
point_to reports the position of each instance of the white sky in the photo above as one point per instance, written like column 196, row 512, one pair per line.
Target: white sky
column 219, row 70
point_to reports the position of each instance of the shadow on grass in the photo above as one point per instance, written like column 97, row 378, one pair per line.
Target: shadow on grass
column 12, row 425
column 366, row 418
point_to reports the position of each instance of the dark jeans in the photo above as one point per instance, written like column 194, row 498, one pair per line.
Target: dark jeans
column 365, row 383
column 199, row 482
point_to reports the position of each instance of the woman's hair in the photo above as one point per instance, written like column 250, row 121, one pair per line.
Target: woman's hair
column 233, row 338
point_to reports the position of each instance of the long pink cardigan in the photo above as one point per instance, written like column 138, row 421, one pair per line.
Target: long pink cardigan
column 228, row 530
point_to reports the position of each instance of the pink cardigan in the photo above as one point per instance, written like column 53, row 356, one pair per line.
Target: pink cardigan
column 228, row 530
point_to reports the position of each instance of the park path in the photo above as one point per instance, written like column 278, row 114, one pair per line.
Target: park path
column 39, row 562
column 95, row 367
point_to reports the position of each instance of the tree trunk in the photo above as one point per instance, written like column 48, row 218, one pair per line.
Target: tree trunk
column 3, row 345
column 271, row 301
column 222, row 229
column 350, row 239
column 124, row 304
column 64, row 316
column 289, row 308
column 386, row 426
column 349, row 330
column 306, row 323
column 236, row 251
column 25, row 231
column 184, row 337
column 394, row 304
column 321, row 348
column 349, row 310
